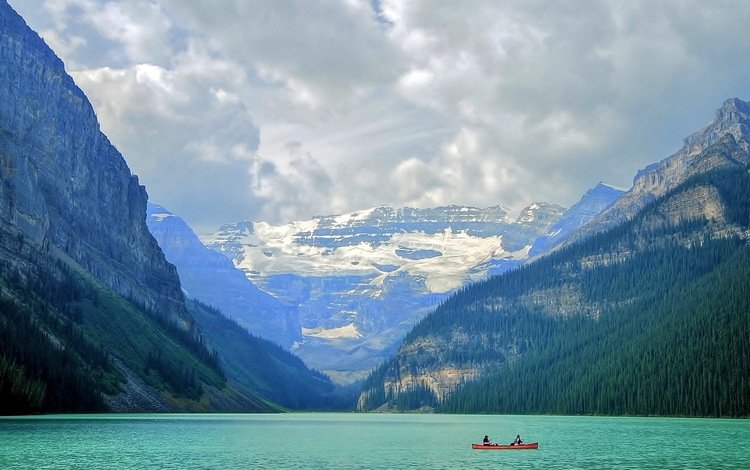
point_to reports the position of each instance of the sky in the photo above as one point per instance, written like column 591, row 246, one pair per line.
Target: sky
column 280, row 110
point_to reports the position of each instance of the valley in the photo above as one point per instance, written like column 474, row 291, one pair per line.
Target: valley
column 629, row 302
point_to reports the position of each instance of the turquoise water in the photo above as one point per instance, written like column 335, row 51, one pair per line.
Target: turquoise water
column 352, row 440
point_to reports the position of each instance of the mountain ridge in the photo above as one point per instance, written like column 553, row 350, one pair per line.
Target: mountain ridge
column 730, row 126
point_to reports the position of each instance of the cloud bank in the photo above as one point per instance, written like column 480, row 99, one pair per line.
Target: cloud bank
column 277, row 110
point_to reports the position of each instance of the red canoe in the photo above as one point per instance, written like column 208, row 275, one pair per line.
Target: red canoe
column 531, row 445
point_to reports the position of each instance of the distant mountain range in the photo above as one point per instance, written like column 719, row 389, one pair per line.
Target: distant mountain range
column 361, row 280
column 341, row 291
column 644, row 311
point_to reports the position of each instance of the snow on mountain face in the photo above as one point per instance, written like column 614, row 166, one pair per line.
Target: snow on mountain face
column 361, row 280
column 443, row 246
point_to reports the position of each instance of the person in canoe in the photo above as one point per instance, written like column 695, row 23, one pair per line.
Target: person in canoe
column 487, row 442
column 517, row 440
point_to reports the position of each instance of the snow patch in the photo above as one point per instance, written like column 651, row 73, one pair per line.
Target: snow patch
column 346, row 220
column 343, row 332
column 160, row 217
column 442, row 261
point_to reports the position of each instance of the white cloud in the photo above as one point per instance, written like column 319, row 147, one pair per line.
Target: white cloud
column 193, row 143
column 140, row 27
column 298, row 107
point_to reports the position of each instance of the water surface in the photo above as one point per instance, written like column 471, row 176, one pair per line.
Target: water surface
column 353, row 440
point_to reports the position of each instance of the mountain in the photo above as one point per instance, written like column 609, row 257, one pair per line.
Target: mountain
column 728, row 134
column 212, row 279
column 62, row 178
column 592, row 203
column 92, row 316
column 647, row 317
column 266, row 369
column 236, row 318
column 360, row 281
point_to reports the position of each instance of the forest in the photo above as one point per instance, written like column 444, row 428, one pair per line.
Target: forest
column 61, row 332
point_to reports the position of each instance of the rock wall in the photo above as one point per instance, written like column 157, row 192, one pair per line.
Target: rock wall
column 66, row 191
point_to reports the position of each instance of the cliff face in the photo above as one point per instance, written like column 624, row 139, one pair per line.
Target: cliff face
column 66, row 191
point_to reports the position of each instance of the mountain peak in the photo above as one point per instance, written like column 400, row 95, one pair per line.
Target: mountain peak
column 602, row 186
column 724, row 142
column 733, row 105
column 733, row 117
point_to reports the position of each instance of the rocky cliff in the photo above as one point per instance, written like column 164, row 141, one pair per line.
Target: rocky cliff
column 729, row 136
column 66, row 191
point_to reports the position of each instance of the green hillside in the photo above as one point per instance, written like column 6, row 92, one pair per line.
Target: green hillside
column 267, row 369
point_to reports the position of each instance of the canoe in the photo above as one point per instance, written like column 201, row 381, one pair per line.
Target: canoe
column 530, row 445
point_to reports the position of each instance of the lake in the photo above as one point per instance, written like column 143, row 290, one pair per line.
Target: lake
column 356, row 440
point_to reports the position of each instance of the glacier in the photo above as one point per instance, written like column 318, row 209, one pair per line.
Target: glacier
column 341, row 291
column 361, row 280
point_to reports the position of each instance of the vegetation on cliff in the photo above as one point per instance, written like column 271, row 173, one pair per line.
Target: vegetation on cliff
column 64, row 334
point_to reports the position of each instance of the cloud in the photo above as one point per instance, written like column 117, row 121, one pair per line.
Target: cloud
column 301, row 182
column 560, row 94
column 297, row 107
column 323, row 52
column 141, row 29
column 192, row 141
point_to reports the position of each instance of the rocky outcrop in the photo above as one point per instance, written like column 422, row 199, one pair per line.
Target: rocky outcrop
column 701, row 202
column 66, row 191
column 723, row 142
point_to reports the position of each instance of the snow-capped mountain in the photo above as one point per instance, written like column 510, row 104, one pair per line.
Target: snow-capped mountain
column 362, row 280
column 434, row 244
column 342, row 291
